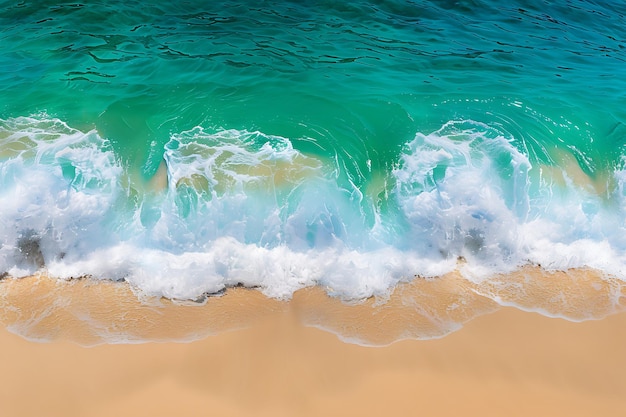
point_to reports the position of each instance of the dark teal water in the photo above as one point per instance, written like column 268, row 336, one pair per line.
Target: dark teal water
column 188, row 146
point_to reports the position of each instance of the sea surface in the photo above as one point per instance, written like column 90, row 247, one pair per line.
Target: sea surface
column 187, row 147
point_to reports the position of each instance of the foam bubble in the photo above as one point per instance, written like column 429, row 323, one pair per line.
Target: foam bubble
column 57, row 186
column 468, row 192
column 464, row 190
column 247, row 208
column 240, row 208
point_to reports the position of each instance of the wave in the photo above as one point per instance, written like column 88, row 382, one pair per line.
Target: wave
column 237, row 208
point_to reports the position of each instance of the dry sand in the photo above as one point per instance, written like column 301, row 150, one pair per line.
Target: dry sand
column 502, row 362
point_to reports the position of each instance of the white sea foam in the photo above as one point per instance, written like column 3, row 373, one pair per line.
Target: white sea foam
column 466, row 192
column 459, row 199
column 247, row 208
column 57, row 187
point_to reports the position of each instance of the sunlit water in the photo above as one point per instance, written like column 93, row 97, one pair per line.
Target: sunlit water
column 190, row 146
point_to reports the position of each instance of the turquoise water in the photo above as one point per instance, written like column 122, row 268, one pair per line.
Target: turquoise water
column 190, row 147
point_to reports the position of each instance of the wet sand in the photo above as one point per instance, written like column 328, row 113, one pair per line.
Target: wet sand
column 503, row 361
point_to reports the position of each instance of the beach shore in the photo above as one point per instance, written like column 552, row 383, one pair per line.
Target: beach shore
column 503, row 361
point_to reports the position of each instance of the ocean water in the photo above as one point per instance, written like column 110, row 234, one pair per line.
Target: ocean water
column 188, row 147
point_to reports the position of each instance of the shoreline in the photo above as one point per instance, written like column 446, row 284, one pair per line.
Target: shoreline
column 249, row 355
column 91, row 312
column 504, row 363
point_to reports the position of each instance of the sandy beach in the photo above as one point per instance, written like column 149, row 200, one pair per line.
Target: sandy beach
column 503, row 361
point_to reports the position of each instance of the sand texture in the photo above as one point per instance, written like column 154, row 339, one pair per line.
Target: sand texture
column 503, row 361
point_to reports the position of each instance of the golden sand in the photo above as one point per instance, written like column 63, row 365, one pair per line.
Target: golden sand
column 91, row 312
column 503, row 361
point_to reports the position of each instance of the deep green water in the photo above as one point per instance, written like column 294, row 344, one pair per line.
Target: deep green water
column 359, row 79
column 437, row 129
